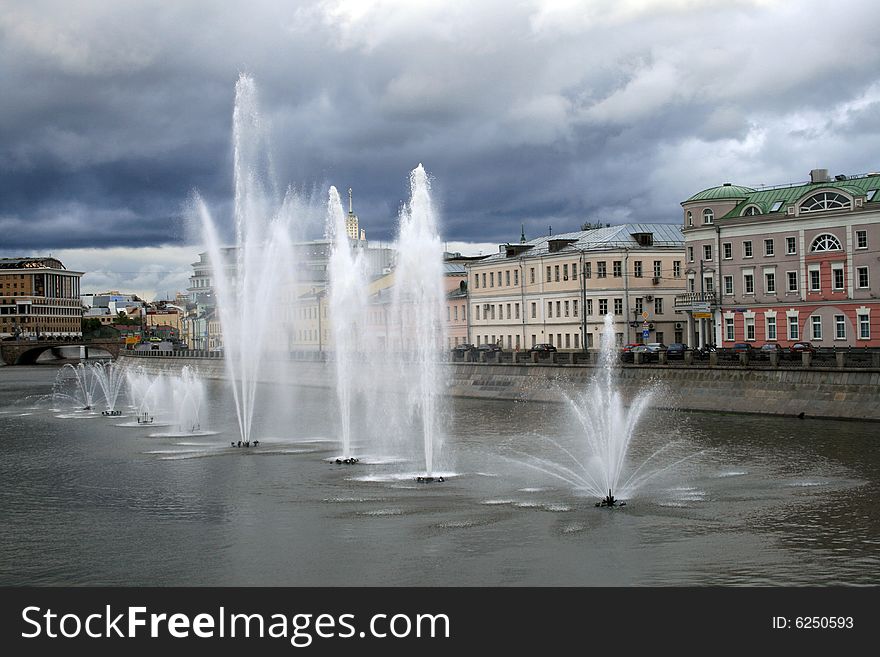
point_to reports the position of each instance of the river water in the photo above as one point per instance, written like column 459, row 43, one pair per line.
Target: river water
column 761, row 501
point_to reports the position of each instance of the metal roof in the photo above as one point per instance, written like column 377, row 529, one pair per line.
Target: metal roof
column 764, row 199
column 721, row 192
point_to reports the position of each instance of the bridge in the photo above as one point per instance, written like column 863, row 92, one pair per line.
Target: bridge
column 26, row 352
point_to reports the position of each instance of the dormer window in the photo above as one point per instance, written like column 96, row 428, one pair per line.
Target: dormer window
column 751, row 211
column 826, row 201
column 825, row 242
column 708, row 216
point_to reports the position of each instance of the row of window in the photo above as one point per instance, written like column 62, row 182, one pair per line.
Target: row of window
column 561, row 308
column 838, row 281
column 569, row 271
column 820, row 202
column 815, row 327
column 561, row 341
column 822, row 243
column 452, row 313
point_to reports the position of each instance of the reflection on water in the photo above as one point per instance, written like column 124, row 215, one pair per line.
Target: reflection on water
column 769, row 502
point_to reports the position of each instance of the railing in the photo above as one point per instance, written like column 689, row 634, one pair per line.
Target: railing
column 690, row 299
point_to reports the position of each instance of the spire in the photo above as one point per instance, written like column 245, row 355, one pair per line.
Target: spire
column 350, row 210
column 522, row 235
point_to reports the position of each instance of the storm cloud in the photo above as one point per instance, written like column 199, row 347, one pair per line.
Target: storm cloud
column 530, row 113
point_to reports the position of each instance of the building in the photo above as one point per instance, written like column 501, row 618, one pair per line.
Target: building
column 351, row 223
column 785, row 263
column 558, row 289
column 39, row 297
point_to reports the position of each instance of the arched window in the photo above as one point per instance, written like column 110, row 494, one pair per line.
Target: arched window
column 825, row 242
column 826, row 201
column 690, row 218
column 751, row 211
column 708, row 216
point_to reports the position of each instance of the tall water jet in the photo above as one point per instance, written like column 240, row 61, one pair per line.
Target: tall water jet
column 110, row 377
column 187, row 396
column 247, row 294
column 75, row 383
column 347, row 302
column 416, row 331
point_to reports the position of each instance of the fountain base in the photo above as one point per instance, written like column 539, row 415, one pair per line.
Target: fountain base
column 609, row 501
column 430, row 480
column 244, row 443
column 349, row 461
column 111, row 413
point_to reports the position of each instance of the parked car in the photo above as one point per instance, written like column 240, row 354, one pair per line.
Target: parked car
column 744, row 348
column 800, row 347
column 676, row 350
column 462, row 348
column 656, row 347
column 771, row 348
column 647, row 354
column 629, row 347
column 489, row 348
column 542, row 348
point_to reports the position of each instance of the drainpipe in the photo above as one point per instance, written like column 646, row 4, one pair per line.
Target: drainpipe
column 718, row 287
column 583, row 304
column 626, row 294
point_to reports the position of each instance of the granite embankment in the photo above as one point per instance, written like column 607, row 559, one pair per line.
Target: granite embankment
column 815, row 392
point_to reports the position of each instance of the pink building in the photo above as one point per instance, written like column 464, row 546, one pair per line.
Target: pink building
column 783, row 264
column 455, row 286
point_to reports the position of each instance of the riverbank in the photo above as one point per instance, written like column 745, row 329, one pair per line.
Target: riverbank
column 815, row 392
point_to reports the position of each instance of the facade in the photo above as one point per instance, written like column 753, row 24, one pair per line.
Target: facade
column 39, row 297
column 455, row 286
column 558, row 289
column 782, row 264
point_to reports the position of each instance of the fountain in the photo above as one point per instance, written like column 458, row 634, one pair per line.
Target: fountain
column 84, row 385
column 247, row 297
column 187, row 396
column 416, row 326
column 347, row 302
column 110, row 377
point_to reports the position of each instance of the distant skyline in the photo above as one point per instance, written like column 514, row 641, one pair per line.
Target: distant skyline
column 534, row 113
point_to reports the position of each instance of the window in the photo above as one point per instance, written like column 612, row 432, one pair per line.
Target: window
column 463, row 313
column 577, row 341
column 676, row 269
column 559, row 309
column 790, row 246
column 574, row 271
column 550, row 309
column 793, row 333
column 549, row 275
column 729, row 334
column 837, row 277
column 492, row 279
column 690, row 254
column 750, row 328
column 727, row 249
column 603, row 306
column 747, row 249
column 618, row 306
column 637, row 268
column 748, row 283
column 534, row 310
column 861, row 239
column 507, row 277
column 769, row 247
column 588, row 270
column 826, row 201
column 776, row 205
column 566, row 308
column 492, row 308
column 709, row 283
column 690, row 218
column 617, row 268
column 477, row 308
column 707, row 252
column 476, row 280
column 825, row 242
column 589, row 306
column 639, row 306
column 658, row 268
column 484, row 279
column 770, row 282
column 556, row 273
column 751, row 211
column 862, row 273
column 771, row 328
column 531, row 275
column 601, row 271
column 815, row 285
column 565, row 272
column 728, row 285
column 869, row 196
column 840, row 327
column 816, row 322
column 508, row 311
column 864, row 326
column 708, row 216
column 516, row 277
column 658, row 306
column 516, row 311
column 574, row 308
column 792, row 281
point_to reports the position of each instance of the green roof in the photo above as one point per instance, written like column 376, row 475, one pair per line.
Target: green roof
column 721, row 192
column 766, row 198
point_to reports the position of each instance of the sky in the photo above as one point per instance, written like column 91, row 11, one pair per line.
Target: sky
column 542, row 114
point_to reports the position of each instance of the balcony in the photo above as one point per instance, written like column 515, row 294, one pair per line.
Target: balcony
column 695, row 301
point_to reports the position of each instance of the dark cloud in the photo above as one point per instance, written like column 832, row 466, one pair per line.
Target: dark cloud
column 524, row 113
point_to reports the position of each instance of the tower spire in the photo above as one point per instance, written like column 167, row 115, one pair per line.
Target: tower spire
column 522, row 235
column 350, row 210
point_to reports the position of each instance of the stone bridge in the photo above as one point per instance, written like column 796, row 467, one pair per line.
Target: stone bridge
column 26, row 352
